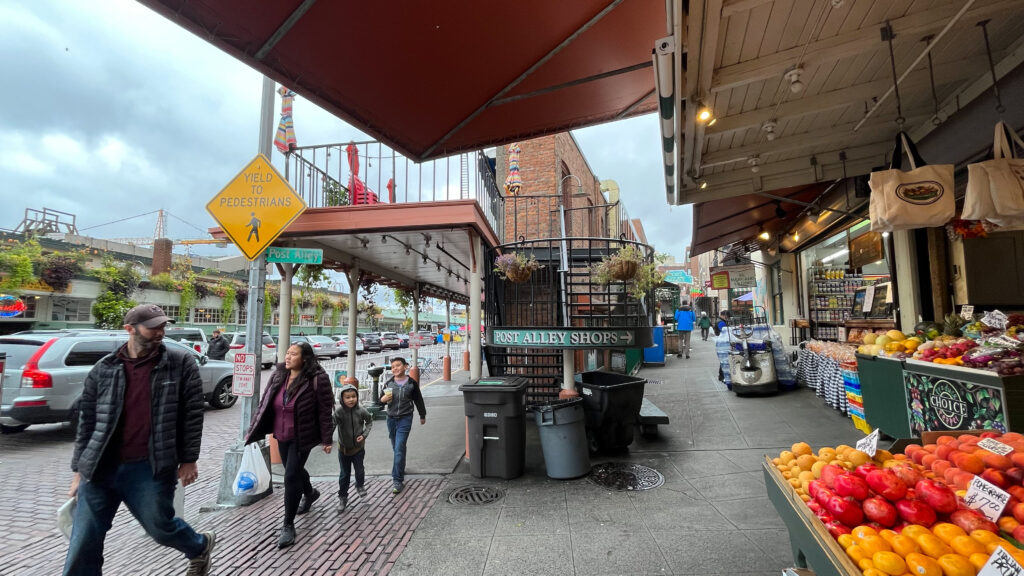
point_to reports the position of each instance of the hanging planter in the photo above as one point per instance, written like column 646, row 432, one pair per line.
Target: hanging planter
column 515, row 267
column 621, row 266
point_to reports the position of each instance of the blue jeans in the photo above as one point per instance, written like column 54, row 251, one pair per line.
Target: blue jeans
column 149, row 499
column 398, row 432
column 347, row 462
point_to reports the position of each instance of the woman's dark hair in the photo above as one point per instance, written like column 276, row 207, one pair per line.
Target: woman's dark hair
column 309, row 363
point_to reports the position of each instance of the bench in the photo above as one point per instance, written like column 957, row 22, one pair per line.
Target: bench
column 649, row 418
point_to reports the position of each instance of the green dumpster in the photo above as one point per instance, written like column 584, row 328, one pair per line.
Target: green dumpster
column 885, row 400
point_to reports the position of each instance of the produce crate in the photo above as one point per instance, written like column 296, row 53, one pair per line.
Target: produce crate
column 813, row 547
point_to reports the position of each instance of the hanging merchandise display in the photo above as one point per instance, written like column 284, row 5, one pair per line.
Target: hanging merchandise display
column 995, row 188
column 920, row 198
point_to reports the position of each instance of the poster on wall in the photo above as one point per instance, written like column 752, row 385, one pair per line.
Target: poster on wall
column 866, row 249
column 936, row 403
column 734, row 277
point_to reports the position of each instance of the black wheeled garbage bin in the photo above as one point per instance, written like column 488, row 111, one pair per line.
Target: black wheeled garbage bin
column 611, row 402
column 563, row 437
column 496, row 417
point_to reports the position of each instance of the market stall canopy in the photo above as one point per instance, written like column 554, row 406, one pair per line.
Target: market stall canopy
column 436, row 78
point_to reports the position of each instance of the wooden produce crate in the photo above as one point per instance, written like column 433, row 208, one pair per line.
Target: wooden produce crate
column 813, row 546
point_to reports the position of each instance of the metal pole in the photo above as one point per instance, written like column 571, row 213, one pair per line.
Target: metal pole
column 284, row 310
column 416, row 325
column 353, row 320
column 475, row 368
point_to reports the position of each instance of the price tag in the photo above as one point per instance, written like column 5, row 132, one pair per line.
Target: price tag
column 1000, row 563
column 986, row 498
column 869, row 443
column 1005, row 341
column 995, row 319
column 995, row 446
column 967, row 312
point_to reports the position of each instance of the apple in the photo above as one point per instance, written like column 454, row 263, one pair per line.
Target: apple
column 970, row 520
column 812, row 488
column 829, row 472
column 851, row 485
column 846, row 511
column 916, row 512
column 837, row 529
column 878, row 509
column 887, row 484
column 908, row 474
column 936, row 495
column 823, row 495
column 864, row 469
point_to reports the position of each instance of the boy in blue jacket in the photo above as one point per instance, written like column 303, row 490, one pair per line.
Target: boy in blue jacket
column 684, row 326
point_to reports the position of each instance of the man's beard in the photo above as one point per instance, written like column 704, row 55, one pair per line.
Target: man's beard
column 145, row 345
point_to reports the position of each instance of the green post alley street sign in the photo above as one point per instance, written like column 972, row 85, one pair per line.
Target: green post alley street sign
column 564, row 337
column 295, row 255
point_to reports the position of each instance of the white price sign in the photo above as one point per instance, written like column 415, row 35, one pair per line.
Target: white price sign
column 869, row 443
column 243, row 381
column 967, row 312
column 1000, row 563
column 986, row 498
column 995, row 446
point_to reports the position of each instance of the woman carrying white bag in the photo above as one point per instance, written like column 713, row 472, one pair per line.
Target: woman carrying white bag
column 920, row 198
column 995, row 188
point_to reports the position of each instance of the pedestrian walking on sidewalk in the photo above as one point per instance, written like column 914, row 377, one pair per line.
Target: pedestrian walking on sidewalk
column 354, row 424
column 218, row 346
column 705, row 325
column 401, row 393
column 684, row 326
column 139, row 432
column 723, row 321
column 297, row 408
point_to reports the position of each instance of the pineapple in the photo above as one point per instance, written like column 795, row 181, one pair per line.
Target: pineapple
column 951, row 325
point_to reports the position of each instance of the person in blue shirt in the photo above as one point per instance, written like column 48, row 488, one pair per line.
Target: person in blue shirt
column 684, row 326
column 723, row 321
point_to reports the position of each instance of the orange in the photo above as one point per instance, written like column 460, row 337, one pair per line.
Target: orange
column 794, row 482
column 889, row 562
column 867, row 564
column 984, row 536
column 915, row 530
column 965, row 546
column 873, row 572
column 1007, row 524
column 978, row 560
column 872, row 544
column 904, row 545
column 856, row 553
column 786, row 456
column 860, row 532
column 845, row 540
column 858, row 458
column 888, row 535
column 805, row 461
column 932, row 545
column 883, row 455
column 921, row 565
column 956, row 565
column 948, row 531
column 801, row 448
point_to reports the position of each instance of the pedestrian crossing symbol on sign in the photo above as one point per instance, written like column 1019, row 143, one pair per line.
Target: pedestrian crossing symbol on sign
column 255, row 207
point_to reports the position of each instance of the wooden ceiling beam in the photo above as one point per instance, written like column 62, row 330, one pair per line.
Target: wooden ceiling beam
column 731, row 7
column 947, row 73
column 859, row 41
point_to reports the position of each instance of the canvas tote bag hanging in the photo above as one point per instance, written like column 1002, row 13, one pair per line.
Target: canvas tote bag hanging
column 920, row 198
column 995, row 188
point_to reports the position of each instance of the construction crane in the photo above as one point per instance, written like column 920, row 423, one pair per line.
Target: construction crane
column 161, row 232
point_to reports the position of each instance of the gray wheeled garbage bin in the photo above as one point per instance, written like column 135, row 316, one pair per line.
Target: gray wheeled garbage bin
column 612, row 403
column 563, row 437
column 496, row 417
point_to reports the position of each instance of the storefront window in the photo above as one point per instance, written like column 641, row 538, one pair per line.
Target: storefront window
column 70, row 310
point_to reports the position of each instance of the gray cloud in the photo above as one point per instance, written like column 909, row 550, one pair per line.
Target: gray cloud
column 111, row 111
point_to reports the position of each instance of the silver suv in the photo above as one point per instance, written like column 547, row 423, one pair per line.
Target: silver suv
column 236, row 343
column 194, row 337
column 44, row 375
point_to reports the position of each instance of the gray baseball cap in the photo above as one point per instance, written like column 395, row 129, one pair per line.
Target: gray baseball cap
column 149, row 315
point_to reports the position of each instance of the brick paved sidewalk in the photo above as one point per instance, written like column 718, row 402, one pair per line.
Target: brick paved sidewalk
column 366, row 539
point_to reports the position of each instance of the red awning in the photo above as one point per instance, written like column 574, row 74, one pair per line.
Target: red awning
column 436, row 78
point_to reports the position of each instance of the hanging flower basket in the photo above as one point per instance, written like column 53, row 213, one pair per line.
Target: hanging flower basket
column 515, row 267
column 623, row 269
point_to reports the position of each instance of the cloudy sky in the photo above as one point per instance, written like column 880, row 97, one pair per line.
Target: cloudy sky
column 111, row 111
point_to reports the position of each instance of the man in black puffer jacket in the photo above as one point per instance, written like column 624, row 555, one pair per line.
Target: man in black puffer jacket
column 139, row 432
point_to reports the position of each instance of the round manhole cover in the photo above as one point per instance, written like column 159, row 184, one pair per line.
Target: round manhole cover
column 626, row 477
column 475, row 495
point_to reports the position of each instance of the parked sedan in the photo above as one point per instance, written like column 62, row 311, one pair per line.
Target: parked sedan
column 371, row 342
column 323, row 346
column 403, row 340
column 342, row 342
column 390, row 340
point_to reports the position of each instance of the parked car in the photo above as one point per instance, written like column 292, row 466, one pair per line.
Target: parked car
column 236, row 343
column 403, row 340
column 194, row 337
column 390, row 341
column 323, row 346
column 371, row 341
column 44, row 375
column 342, row 341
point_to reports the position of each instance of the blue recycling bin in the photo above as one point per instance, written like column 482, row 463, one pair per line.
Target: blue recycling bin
column 656, row 354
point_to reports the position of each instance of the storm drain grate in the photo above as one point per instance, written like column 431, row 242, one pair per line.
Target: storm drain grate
column 475, row 495
column 625, row 477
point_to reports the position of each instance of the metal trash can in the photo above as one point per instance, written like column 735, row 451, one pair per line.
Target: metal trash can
column 496, row 419
column 563, row 437
column 612, row 403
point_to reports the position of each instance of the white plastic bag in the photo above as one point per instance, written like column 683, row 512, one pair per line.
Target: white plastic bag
column 66, row 517
column 253, row 475
column 179, row 500
column 920, row 198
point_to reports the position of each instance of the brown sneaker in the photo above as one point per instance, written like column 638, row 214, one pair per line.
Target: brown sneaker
column 200, row 565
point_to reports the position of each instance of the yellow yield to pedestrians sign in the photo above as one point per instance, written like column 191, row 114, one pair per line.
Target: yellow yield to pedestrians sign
column 255, row 207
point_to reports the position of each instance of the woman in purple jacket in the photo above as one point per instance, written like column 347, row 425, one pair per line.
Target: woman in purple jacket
column 297, row 409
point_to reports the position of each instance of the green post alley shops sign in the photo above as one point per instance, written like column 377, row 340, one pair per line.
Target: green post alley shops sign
column 569, row 337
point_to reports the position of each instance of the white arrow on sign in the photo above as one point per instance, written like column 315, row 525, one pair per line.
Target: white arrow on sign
column 627, row 337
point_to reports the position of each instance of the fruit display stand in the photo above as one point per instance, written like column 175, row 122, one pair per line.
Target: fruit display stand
column 943, row 397
column 885, row 402
column 812, row 545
